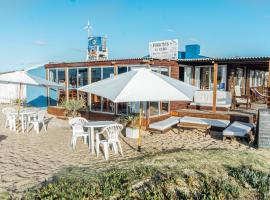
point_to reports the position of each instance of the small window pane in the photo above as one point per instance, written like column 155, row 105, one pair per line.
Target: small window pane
column 122, row 70
column 108, row 72
column 164, row 107
column 95, row 74
column 108, row 105
column 83, row 77
column 72, row 76
column 122, row 108
column 52, row 75
column 96, row 102
column 154, row 108
column 61, row 76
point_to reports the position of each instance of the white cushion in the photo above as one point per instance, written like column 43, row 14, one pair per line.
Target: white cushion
column 239, row 129
column 205, row 121
column 206, row 97
column 165, row 124
column 210, row 105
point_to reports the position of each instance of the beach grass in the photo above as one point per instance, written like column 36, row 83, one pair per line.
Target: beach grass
column 174, row 174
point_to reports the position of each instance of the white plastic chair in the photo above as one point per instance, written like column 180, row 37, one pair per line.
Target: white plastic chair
column 112, row 132
column 9, row 118
column 40, row 119
column 78, row 130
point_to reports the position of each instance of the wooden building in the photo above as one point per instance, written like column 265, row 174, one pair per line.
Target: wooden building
column 205, row 73
column 226, row 73
column 77, row 74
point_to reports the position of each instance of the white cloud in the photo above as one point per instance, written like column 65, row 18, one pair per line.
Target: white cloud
column 171, row 30
column 40, row 43
column 192, row 39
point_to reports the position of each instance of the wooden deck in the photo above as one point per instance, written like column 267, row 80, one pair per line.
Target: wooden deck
column 222, row 115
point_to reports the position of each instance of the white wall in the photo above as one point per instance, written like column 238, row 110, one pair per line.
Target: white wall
column 9, row 92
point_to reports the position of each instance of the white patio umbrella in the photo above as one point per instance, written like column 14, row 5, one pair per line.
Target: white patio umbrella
column 23, row 78
column 141, row 85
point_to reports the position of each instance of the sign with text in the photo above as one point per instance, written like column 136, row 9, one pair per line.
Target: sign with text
column 263, row 128
column 167, row 49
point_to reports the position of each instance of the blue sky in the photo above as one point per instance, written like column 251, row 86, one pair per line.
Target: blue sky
column 42, row 31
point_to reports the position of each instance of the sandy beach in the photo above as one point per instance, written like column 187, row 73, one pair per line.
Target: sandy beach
column 27, row 159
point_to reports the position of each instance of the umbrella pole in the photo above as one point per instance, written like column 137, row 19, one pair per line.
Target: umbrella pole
column 140, row 130
column 19, row 98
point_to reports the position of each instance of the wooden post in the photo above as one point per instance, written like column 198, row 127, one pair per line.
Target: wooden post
column 89, row 82
column 268, row 85
column 193, row 71
column 115, row 70
column 140, row 129
column 19, row 97
column 214, row 109
column 66, row 83
column 147, row 114
column 47, row 88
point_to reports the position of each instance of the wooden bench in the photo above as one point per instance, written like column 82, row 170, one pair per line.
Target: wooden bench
column 240, row 130
column 164, row 125
column 188, row 125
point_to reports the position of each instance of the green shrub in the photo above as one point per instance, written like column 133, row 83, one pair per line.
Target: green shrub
column 73, row 106
column 133, row 183
column 211, row 188
column 256, row 179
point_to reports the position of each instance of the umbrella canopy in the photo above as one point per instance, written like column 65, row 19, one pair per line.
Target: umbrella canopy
column 141, row 85
column 22, row 77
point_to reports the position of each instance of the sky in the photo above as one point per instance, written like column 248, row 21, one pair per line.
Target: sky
column 40, row 31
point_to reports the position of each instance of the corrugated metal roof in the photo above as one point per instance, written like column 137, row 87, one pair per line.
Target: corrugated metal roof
column 260, row 58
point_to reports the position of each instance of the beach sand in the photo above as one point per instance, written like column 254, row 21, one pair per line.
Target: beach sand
column 27, row 159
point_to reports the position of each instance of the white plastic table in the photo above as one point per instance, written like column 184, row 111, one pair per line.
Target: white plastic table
column 23, row 114
column 91, row 126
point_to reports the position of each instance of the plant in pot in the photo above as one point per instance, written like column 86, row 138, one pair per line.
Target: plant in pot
column 131, row 124
column 73, row 106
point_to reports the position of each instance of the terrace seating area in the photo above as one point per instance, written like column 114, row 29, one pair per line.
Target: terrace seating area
column 203, row 99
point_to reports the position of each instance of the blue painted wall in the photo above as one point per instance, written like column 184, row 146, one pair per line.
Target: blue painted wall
column 37, row 96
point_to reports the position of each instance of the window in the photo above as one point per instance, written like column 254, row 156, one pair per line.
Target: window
column 154, row 108
column 122, row 108
column 82, row 76
column 95, row 74
column 182, row 74
column 161, row 70
column 52, row 75
column 164, row 107
column 61, row 76
column 95, row 103
column 99, row 103
column 108, row 72
column 72, row 78
column 204, row 77
column 122, row 70
column 188, row 75
column 108, row 105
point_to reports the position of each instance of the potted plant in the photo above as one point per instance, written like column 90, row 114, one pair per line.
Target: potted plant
column 73, row 106
column 131, row 122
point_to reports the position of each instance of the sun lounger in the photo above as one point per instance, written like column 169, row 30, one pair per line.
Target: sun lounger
column 203, row 121
column 238, row 129
column 164, row 125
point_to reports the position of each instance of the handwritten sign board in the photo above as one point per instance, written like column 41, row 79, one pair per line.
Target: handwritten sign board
column 166, row 49
column 263, row 128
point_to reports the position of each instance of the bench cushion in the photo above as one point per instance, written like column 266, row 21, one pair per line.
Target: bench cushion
column 205, row 97
column 212, row 122
column 239, row 129
column 165, row 124
column 210, row 105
